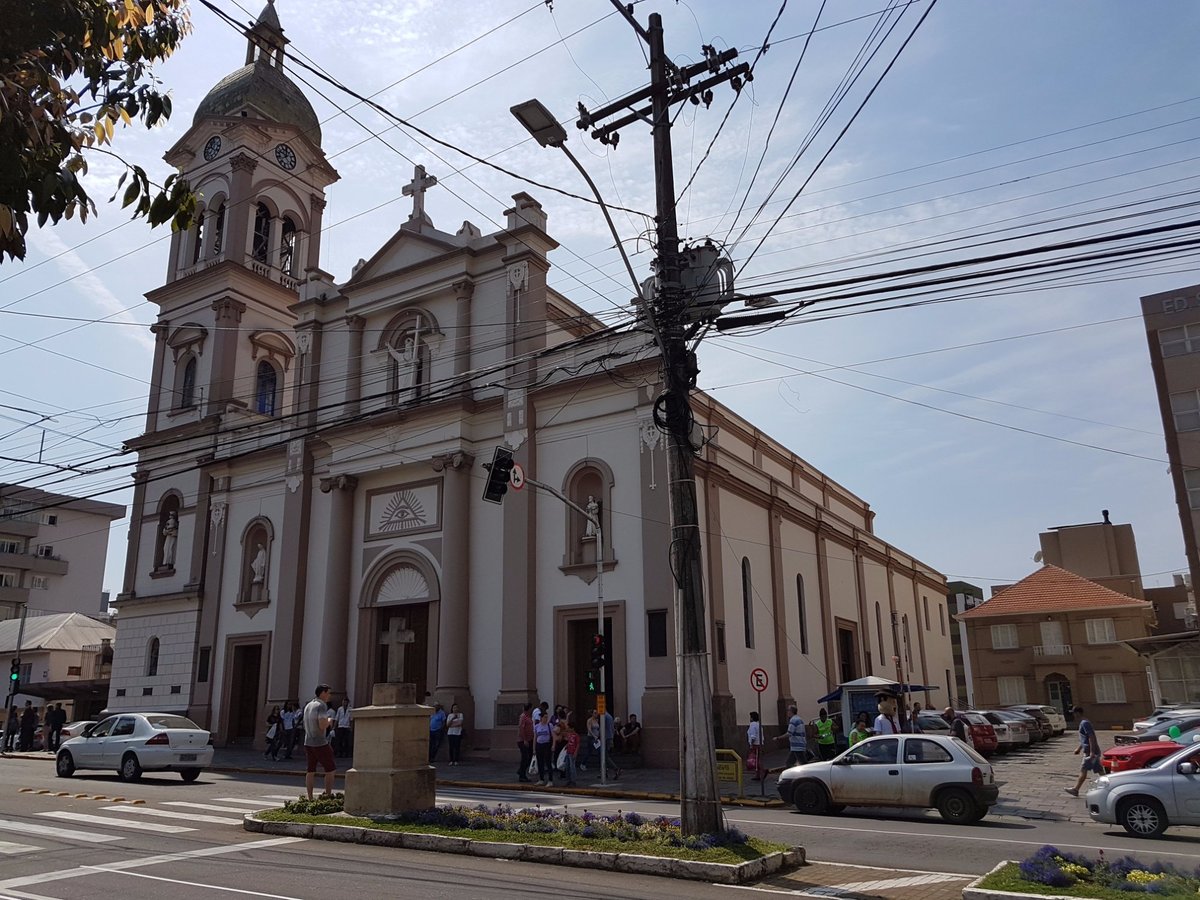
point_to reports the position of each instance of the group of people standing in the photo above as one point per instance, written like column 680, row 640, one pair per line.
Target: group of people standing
column 448, row 726
column 286, row 730
column 550, row 742
column 21, row 730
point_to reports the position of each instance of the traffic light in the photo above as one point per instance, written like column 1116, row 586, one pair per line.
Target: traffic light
column 598, row 652
column 593, row 682
column 14, row 677
column 499, row 472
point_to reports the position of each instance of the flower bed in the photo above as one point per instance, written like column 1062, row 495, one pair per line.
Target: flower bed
column 619, row 832
column 1054, row 871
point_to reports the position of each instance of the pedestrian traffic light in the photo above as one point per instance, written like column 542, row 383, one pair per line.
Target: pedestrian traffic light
column 499, row 472
column 598, row 652
column 593, row 682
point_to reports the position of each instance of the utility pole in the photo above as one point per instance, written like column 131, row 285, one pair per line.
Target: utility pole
column 700, row 811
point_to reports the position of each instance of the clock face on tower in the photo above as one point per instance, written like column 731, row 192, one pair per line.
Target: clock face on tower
column 285, row 156
column 212, row 148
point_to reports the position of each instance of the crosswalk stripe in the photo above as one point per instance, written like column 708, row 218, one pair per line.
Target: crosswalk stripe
column 10, row 847
column 280, row 796
column 89, row 837
column 243, row 801
column 115, row 822
column 170, row 814
column 212, row 807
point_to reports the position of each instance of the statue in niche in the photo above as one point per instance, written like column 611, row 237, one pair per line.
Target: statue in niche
column 593, row 511
column 170, row 535
column 258, row 573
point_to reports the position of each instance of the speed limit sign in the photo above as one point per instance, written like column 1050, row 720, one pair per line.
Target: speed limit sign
column 759, row 680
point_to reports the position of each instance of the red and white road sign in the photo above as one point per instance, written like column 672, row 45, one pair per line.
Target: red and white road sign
column 517, row 477
column 759, row 680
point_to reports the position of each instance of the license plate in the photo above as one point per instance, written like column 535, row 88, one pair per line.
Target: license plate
column 187, row 757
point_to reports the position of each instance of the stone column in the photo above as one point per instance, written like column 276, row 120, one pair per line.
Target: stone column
column 306, row 381
column 354, row 363
column 453, row 682
column 316, row 209
column 463, row 291
column 291, row 591
column 200, row 710
column 240, row 209
column 136, row 511
column 334, row 631
column 160, row 330
column 228, row 316
column 779, row 635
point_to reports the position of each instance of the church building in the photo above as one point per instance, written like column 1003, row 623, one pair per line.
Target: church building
column 308, row 499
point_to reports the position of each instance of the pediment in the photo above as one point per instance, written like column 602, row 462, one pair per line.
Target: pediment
column 406, row 248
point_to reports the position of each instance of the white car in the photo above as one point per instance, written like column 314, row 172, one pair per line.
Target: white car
column 914, row 770
column 132, row 743
column 1163, row 715
column 1145, row 801
column 1010, row 732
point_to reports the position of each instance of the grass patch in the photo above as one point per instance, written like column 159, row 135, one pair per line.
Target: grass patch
column 622, row 833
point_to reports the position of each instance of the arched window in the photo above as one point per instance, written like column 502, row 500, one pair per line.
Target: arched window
column 747, row 603
column 408, row 377
column 879, row 631
column 287, row 247
column 152, row 657
column 218, row 230
column 254, row 584
column 588, row 484
column 261, row 248
column 198, row 239
column 187, row 386
column 266, row 388
column 803, row 614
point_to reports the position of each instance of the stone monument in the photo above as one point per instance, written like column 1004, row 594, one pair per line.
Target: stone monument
column 391, row 771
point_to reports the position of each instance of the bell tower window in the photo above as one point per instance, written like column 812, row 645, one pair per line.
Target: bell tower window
column 266, row 385
column 218, row 230
column 198, row 240
column 287, row 247
column 187, row 388
column 261, row 247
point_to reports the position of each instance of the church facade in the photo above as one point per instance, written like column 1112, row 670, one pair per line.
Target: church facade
column 309, row 487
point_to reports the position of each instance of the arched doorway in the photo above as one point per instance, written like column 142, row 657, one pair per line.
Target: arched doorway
column 1058, row 694
column 401, row 588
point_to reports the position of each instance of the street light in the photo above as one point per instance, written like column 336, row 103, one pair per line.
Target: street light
column 544, row 129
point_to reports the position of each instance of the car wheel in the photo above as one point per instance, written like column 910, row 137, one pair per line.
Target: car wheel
column 64, row 765
column 957, row 806
column 1142, row 817
column 131, row 769
column 189, row 775
column 810, row 798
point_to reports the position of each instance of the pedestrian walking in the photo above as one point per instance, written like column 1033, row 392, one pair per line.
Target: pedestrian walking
column 796, row 737
column 56, row 719
column 543, row 746
column 287, row 719
column 29, row 723
column 317, row 720
column 454, row 733
column 826, row 740
column 571, row 749
column 274, row 734
column 525, row 741
column 344, row 728
column 1089, row 746
column 590, row 742
column 754, row 759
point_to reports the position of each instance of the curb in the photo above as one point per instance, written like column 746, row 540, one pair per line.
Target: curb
column 629, row 863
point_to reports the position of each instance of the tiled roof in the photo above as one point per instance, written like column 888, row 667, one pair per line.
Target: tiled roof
column 1051, row 589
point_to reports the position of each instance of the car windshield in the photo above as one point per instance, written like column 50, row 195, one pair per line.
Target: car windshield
column 161, row 722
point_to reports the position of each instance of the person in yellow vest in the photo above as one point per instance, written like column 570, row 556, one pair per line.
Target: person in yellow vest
column 826, row 742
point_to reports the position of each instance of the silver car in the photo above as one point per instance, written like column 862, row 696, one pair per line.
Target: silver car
column 914, row 770
column 1145, row 801
column 131, row 743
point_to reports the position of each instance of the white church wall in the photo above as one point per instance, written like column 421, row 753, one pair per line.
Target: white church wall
column 173, row 623
column 487, row 609
column 319, row 539
column 806, row 669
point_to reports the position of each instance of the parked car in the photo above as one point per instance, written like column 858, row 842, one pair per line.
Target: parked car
column 1035, row 712
column 1161, row 731
column 132, row 743
column 926, row 771
column 982, row 734
column 1144, row 754
column 1165, row 716
column 1057, row 720
column 1011, row 731
column 1145, row 802
column 933, row 723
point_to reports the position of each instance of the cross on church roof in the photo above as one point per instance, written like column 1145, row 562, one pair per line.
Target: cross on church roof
column 416, row 189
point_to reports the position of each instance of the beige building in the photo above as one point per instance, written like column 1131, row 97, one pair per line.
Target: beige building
column 1056, row 638
column 65, row 658
column 52, row 551
column 341, row 429
column 1099, row 551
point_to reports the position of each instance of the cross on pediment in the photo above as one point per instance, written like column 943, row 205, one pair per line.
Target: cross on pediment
column 397, row 637
column 416, row 189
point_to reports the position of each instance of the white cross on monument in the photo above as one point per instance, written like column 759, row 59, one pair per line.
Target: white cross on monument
column 416, row 189
column 398, row 635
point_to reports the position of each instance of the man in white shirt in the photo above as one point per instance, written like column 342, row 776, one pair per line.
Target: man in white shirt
column 885, row 722
column 343, row 725
column 317, row 719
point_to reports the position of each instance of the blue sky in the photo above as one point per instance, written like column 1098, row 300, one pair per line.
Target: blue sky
column 967, row 441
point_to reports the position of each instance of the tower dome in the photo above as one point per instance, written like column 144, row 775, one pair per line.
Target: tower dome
column 260, row 88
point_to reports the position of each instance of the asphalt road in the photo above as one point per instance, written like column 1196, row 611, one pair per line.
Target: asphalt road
column 187, row 840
